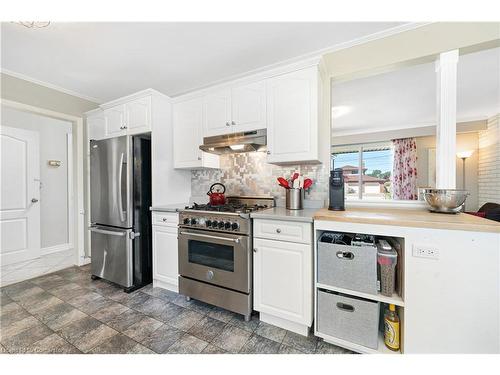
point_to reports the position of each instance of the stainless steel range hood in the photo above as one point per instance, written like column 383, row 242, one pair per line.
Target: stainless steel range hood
column 255, row 140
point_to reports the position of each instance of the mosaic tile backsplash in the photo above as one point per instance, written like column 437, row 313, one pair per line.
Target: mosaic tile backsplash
column 250, row 174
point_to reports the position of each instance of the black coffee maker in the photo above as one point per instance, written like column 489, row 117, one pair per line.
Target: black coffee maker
column 336, row 189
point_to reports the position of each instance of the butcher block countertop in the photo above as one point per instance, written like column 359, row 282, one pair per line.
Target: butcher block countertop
column 410, row 218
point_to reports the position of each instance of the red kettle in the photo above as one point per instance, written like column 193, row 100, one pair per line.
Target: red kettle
column 217, row 197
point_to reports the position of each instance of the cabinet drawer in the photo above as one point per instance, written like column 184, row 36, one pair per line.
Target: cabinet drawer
column 283, row 230
column 167, row 219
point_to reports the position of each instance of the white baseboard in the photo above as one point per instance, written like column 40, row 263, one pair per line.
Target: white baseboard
column 55, row 249
column 301, row 329
column 162, row 284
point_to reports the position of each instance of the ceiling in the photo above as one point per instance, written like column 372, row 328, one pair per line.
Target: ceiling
column 406, row 98
column 105, row 61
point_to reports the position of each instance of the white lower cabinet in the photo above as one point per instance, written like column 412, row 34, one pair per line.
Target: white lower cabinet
column 165, row 251
column 283, row 283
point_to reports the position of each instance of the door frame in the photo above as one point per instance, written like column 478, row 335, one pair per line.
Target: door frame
column 76, row 218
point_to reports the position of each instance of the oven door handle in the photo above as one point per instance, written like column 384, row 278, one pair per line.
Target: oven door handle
column 235, row 240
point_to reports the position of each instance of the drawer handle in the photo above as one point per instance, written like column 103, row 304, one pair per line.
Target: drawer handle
column 164, row 219
column 345, row 307
column 345, row 255
column 278, row 230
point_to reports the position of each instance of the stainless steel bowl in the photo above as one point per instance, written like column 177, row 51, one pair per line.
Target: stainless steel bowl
column 448, row 201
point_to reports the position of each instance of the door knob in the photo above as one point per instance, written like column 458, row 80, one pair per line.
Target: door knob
column 34, row 200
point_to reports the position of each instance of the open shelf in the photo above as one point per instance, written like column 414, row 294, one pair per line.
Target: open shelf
column 382, row 349
column 395, row 299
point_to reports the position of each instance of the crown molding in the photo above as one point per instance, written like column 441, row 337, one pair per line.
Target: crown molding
column 50, row 86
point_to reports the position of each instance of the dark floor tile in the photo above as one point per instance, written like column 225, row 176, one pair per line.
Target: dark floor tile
column 117, row 344
column 10, row 308
column 137, row 300
column 180, row 300
column 53, row 344
column 49, row 282
column 260, row 345
column 162, row 338
column 3, row 350
column 27, row 292
column 124, row 320
column 212, row 349
column 109, row 311
column 185, row 320
column 231, row 339
column 142, row 329
column 18, row 288
column 86, row 333
column 84, row 300
column 140, row 349
column 103, row 287
column 163, row 294
column 285, row 349
column 221, row 314
column 16, row 327
column 151, row 306
column 207, row 328
column 57, row 316
column 270, row 332
column 168, row 312
column 96, row 305
column 239, row 321
column 302, row 343
column 18, row 343
column 40, row 302
column 199, row 307
column 12, row 313
column 187, row 345
column 69, row 291
column 5, row 299
column 326, row 348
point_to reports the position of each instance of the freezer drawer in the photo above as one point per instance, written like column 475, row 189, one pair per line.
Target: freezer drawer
column 112, row 254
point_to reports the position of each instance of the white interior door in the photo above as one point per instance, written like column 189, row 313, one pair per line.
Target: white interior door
column 19, row 195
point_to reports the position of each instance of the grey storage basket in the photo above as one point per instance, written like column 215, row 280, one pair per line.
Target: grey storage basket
column 348, row 318
column 348, row 267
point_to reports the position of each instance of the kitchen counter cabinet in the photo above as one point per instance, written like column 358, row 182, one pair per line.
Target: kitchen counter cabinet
column 281, row 213
column 175, row 207
column 451, row 278
column 165, row 250
column 417, row 218
column 283, row 281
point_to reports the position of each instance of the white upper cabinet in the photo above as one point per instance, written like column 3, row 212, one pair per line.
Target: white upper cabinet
column 138, row 115
column 248, row 107
column 188, row 136
column 217, row 107
column 238, row 109
column 293, row 116
column 96, row 125
column 114, row 120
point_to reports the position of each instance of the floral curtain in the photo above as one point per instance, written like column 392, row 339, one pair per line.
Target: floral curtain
column 404, row 169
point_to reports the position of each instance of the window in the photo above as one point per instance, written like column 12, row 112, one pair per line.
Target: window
column 374, row 160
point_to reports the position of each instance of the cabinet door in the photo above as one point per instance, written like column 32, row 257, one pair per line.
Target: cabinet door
column 292, row 117
column 96, row 127
column 138, row 119
column 115, row 121
column 217, row 116
column 165, row 258
column 248, row 104
column 283, row 280
column 188, row 117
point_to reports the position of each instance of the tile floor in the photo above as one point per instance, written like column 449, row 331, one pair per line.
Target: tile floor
column 67, row 312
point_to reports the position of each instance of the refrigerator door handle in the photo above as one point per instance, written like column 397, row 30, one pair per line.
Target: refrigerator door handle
column 110, row 232
column 120, row 196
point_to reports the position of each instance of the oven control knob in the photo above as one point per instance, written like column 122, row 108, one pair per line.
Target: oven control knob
column 194, row 221
column 234, row 226
column 227, row 225
column 221, row 224
column 210, row 275
column 208, row 223
column 186, row 221
column 215, row 223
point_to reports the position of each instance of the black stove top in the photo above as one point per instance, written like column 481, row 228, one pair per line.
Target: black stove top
column 228, row 207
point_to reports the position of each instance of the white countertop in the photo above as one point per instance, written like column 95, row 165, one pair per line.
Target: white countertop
column 174, row 207
column 281, row 213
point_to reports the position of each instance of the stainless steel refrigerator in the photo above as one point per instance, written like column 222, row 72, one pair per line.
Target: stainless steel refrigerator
column 120, row 195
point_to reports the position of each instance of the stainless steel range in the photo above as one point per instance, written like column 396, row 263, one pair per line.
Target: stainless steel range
column 215, row 252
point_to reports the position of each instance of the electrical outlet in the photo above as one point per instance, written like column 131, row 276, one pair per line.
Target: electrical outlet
column 425, row 251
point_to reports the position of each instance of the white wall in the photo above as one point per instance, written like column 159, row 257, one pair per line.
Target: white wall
column 489, row 162
column 54, row 192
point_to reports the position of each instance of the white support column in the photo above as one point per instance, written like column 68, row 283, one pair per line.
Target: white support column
column 446, row 130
